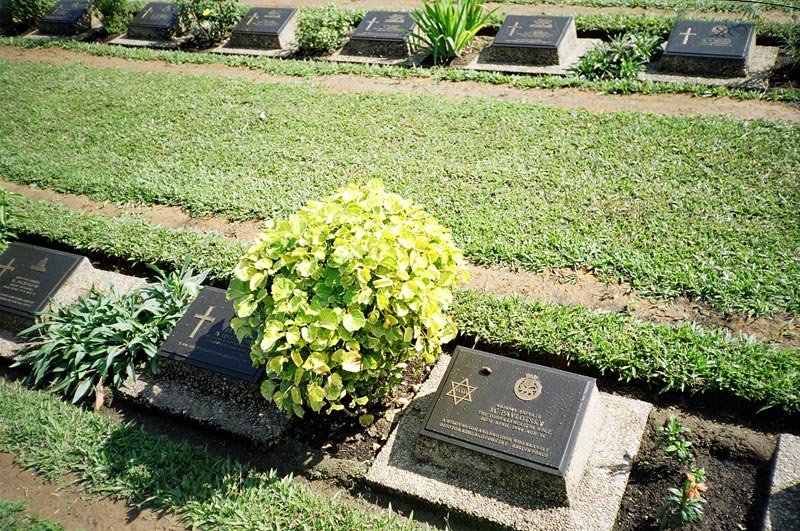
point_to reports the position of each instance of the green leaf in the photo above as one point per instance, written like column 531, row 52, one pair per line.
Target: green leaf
column 354, row 320
column 82, row 389
column 296, row 397
column 351, row 361
column 328, row 319
column 268, row 389
column 282, row 288
column 297, row 358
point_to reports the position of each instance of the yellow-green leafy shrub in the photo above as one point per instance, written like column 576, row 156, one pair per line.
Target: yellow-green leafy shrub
column 342, row 294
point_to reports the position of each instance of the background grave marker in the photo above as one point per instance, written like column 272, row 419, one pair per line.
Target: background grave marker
column 381, row 34
column 5, row 15
column 265, row 28
column 716, row 49
column 532, row 40
column 155, row 21
column 30, row 276
column 67, row 17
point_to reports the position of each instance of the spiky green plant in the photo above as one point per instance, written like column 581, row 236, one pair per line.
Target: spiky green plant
column 100, row 339
column 446, row 27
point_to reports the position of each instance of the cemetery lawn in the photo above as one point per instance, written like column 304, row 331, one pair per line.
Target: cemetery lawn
column 697, row 207
column 700, row 208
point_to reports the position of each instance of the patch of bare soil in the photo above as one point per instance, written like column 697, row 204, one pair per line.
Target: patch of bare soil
column 670, row 104
column 561, row 286
column 736, row 463
column 69, row 505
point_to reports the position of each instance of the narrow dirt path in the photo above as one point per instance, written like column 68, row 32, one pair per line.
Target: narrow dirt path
column 518, row 9
column 567, row 98
column 69, row 505
column 562, row 286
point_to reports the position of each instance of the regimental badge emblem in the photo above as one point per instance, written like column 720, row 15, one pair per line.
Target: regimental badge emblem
column 528, row 387
column 461, row 391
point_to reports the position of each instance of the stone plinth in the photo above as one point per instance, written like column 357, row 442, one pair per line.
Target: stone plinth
column 713, row 49
column 265, row 28
column 593, row 502
column 533, row 41
column 381, row 34
column 67, row 18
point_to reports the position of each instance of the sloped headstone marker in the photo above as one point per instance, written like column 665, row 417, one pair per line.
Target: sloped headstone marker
column 67, row 17
column 5, row 16
column 157, row 21
column 206, row 375
column 265, row 28
column 31, row 276
column 204, row 338
column 709, row 48
column 381, row 34
column 533, row 40
column 519, row 423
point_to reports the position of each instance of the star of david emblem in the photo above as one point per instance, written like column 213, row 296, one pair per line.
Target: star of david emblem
column 461, row 391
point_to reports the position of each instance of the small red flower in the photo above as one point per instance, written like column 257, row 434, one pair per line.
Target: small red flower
column 695, row 489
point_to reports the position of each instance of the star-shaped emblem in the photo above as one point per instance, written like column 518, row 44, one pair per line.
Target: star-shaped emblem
column 461, row 391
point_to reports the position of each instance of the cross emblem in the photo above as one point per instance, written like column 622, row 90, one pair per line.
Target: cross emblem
column 147, row 12
column 7, row 267
column 461, row 391
column 514, row 28
column 686, row 34
column 371, row 22
column 205, row 318
column 251, row 19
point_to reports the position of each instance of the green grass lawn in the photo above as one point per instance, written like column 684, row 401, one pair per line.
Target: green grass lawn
column 124, row 462
column 704, row 207
column 677, row 5
column 14, row 516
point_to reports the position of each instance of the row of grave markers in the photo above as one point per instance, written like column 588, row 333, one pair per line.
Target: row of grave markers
column 703, row 48
column 473, row 403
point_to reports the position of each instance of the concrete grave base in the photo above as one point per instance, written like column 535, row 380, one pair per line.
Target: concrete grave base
column 759, row 68
column 212, row 400
column 579, row 48
column 411, row 60
column 594, row 502
column 280, row 53
column 783, row 506
column 173, row 44
column 37, row 35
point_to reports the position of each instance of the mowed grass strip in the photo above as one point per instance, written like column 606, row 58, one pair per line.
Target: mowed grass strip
column 611, row 24
column 14, row 516
column 684, row 359
column 678, row 5
column 125, row 462
column 675, row 206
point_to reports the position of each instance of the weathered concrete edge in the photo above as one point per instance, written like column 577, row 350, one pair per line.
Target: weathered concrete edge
column 582, row 46
column 599, row 494
column 263, row 425
column 761, row 62
column 783, row 504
